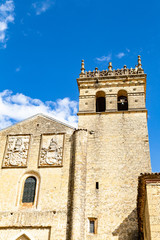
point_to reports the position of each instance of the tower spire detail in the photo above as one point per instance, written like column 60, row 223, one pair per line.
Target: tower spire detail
column 110, row 68
column 139, row 62
column 82, row 68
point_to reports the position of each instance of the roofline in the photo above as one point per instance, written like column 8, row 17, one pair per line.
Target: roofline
column 42, row 115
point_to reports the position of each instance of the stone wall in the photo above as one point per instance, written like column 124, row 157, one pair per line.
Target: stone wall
column 153, row 200
column 117, row 152
column 46, row 156
column 146, row 219
column 136, row 97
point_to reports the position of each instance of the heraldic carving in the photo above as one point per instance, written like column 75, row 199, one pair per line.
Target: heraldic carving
column 51, row 151
column 16, row 152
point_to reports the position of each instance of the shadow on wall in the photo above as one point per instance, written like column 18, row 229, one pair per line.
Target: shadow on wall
column 70, row 192
column 128, row 229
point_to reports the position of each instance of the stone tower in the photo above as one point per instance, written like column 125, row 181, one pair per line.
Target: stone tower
column 112, row 109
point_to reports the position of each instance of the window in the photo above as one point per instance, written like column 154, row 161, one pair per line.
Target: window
column 93, row 225
column 100, row 102
column 97, row 185
column 29, row 190
column 122, row 101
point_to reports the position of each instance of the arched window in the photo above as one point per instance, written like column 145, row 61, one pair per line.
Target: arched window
column 100, row 102
column 29, row 190
column 122, row 100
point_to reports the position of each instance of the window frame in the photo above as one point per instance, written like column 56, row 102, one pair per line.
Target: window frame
column 30, row 185
column 34, row 204
column 95, row 220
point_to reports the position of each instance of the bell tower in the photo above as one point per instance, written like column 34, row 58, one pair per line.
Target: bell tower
column 112, row 91
column 113, row 110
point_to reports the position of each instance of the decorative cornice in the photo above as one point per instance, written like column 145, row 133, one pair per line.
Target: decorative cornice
column 115, row 82
column 113, row 111
column 86, row 96
column 112, row 72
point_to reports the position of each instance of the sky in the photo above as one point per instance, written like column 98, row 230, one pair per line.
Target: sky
column 43, row 42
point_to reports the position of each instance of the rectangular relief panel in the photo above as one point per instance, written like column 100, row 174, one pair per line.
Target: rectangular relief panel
column 16, row 151
column 51, row 150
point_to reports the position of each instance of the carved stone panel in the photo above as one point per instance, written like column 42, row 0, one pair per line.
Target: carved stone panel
column 51, row 151
column 16, row 152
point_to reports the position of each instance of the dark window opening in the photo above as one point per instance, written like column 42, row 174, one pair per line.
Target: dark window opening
column 29, row 190
column 122, row 103
column 97, row 185
column 92, row 226
column 100, row 104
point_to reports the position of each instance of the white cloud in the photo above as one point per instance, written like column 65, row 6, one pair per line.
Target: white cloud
column 6, row 17
column 128, row 50
column 104, row 58
column 3, row 26
column 17, row 107
column 120, row 55
column 42, row 6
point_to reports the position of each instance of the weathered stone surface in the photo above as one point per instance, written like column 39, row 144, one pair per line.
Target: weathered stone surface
column 16, row 152
column 153, row 206
column 51, row 150
column 117, row 152
column 47, row 218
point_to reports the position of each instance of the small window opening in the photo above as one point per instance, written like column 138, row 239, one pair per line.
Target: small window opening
column 100, row 102
column 122, row 100
column 93, row 225
column 97, row 185
column 29, row 190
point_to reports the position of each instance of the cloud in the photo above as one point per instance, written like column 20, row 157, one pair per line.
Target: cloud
column 120, row 55
column 18, row 69
column 17, row 107
column 6, row 17
column 42, row 6
column 104, row 58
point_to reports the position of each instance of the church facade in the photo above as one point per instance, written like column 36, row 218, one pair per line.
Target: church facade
column 62, row 183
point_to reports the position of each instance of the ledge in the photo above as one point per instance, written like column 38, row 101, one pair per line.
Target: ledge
column 114, row 111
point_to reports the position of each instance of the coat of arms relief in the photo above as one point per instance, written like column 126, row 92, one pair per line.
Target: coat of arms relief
column 16, row 152
column 51, row 152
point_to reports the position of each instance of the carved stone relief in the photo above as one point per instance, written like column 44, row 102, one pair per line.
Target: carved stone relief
column 51, row 152
column 16, row 152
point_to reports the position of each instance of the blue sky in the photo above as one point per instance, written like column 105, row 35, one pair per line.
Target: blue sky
column 42, row 43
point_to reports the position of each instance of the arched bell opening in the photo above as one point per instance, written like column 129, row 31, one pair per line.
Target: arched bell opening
column 122, row 100
column 100, row 102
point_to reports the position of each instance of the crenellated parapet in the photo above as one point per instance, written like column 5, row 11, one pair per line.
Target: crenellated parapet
column 112, row 72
